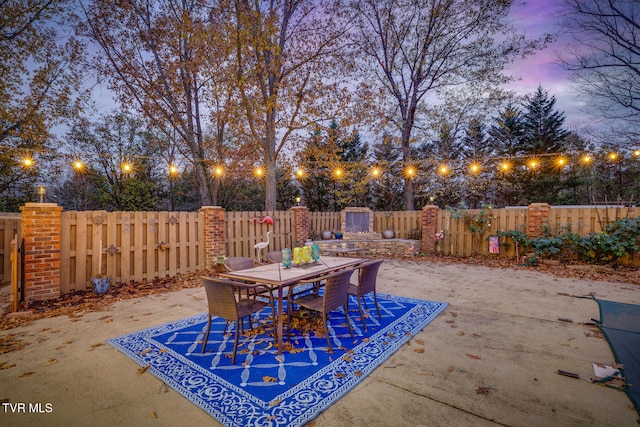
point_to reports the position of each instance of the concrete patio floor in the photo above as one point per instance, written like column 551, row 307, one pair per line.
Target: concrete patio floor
column 491, row 358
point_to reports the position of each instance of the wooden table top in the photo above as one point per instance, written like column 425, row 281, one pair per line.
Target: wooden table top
column 276, row 275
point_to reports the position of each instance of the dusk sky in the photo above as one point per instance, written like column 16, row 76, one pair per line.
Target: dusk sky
column 534, row 19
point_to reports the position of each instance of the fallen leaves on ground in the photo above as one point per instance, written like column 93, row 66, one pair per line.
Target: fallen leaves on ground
column 143, row 369
column 484, row 391
column 76, row 303
column 11, row 342
column 473, row 356
column 51, row 361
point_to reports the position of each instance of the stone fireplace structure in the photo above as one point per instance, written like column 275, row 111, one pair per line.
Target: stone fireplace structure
column 357, row 224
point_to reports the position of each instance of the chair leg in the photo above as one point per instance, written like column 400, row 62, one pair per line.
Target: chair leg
column 206, row 335
column 326, row 331
column 361, row 313
column 235, row 345
column 346, row 315
column 375, row 299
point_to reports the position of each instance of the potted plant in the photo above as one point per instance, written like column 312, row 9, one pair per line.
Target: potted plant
column 219, row 263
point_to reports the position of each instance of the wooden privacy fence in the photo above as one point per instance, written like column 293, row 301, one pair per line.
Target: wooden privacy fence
column 460, row 241
column 145, row 245
column 10, row 226
column 128, row 246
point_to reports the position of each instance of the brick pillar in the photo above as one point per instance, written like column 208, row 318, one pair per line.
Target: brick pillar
column 429, row 228
column 41, row 238
column 538, row 216
column 301, row 224
column 214, row 234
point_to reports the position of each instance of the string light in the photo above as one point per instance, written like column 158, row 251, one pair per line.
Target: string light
column 300, row 173
column 474, row 167
column 586, row 159
column 126, row 167
column 27, row 162
column 636, row 153
column 613, row 157
column 410, row 172
column 218, row 171
column 173, row 169
column 376, row 172
column 338, row 172
column 259, row 172
column 78, row 165
column 505, row 166
column 533, row 164
column 444, row 169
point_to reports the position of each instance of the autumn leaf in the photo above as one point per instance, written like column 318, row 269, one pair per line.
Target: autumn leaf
column 473, row 356
column 26, row 374
column 460, row 333
column 268, row 379
column 419, row 350
column 153, row 414
column 51, row 361
column 421, row 342
column 340, row 374
column 358, row 373
column 143, row 370
column 145, row 351
column 275, row 402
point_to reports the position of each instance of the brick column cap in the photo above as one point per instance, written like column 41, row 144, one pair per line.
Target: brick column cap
column 211, row 208
column 41, row 206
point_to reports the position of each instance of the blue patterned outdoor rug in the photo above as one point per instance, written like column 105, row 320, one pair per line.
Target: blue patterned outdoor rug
column 263, row 388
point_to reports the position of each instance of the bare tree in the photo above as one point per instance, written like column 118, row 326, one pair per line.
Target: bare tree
column 158, row 56
column 415, row 48
column 605, row 58
column 40, row 83
column 283, row 55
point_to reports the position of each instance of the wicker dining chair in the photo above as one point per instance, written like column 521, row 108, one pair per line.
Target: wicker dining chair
column 367, row 277
column 238, row 263
column 335, row 296
column 221, row 296
column 243, row 263
column 274, row 257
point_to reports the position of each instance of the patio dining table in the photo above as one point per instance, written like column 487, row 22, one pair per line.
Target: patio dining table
column 277, row 277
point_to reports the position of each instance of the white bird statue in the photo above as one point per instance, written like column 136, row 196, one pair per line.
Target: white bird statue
column 261, row 245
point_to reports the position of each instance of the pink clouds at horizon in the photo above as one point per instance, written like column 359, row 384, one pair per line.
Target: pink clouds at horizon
column 534, row 19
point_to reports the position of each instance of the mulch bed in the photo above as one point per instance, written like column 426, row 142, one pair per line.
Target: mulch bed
column 77, row 302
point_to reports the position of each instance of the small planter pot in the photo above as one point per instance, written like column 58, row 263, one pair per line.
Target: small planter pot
column 388, row 234
column 326, row 234
column 338, row 235
column 100, row 284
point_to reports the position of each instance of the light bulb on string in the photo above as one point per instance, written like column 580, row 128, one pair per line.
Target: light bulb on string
column 475, row 167
column 586, row 159
column 78, row 165
column 410, row 172
column 300, row 172
column 505, row 166
column 27, row 161
column 173, row 169
column 259, row 172
column 444, row 170
column 376, row 172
